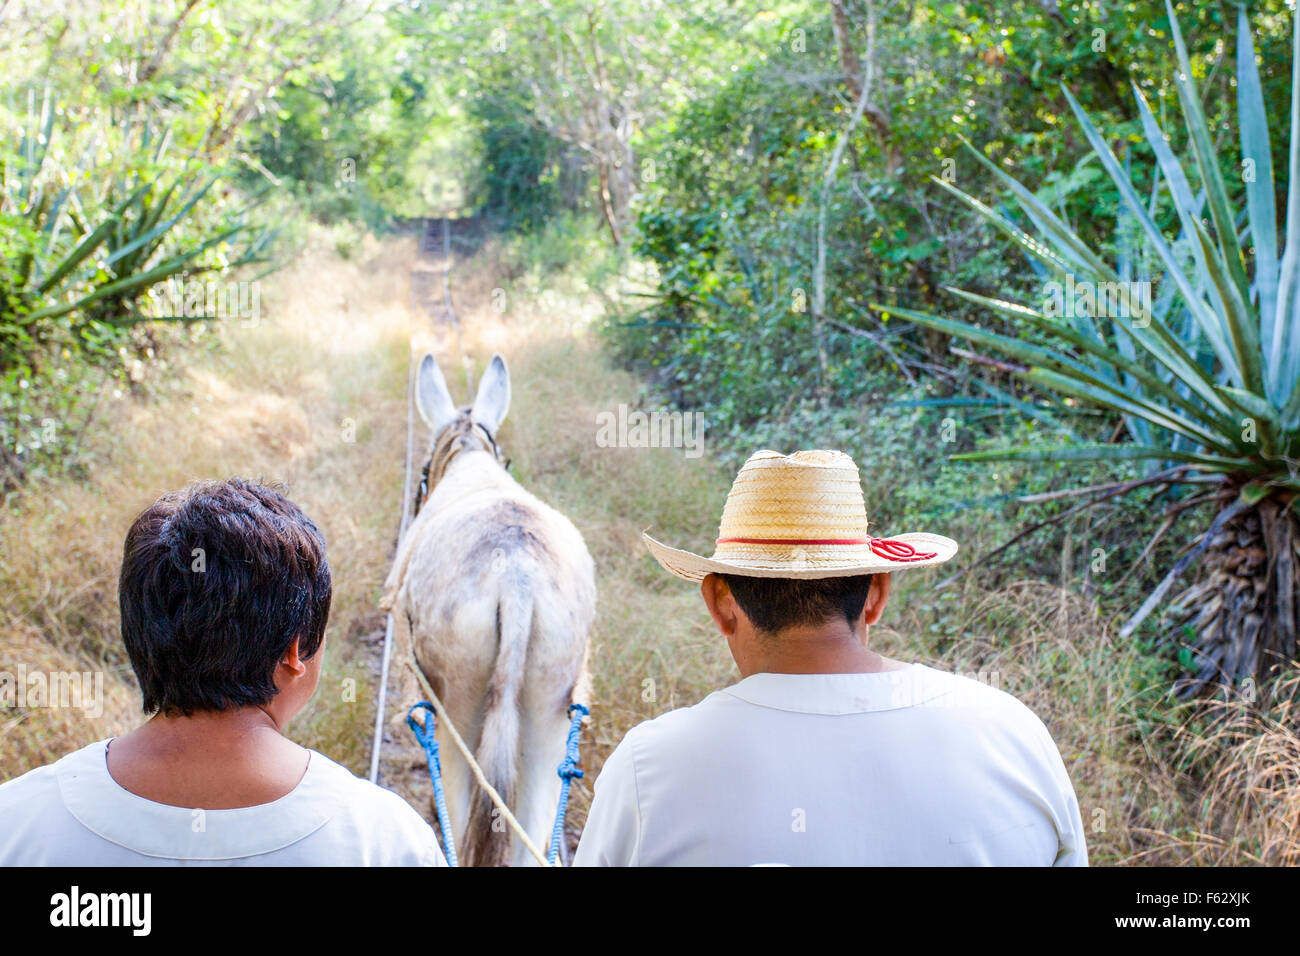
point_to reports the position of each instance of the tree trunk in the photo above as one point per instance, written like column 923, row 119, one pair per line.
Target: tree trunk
column 607, row 203
column 849, row 62
column 1239, row 619
column 851, row 66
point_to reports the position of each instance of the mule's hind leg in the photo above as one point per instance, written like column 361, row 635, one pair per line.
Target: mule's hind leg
column 458, row 784
column 541, row 751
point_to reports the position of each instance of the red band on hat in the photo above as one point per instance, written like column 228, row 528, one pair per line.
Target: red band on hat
column 899, row 550
column 886, row 548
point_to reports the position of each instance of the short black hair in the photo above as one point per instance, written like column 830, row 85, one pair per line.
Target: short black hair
column 774, row 604
column 217, row 581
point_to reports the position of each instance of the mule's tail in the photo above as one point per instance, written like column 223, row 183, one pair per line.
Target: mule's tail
column 487, row 835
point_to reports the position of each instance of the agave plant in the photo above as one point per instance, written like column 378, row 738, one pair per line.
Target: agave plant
column 80, row 250
column 97, row 259
column 1206, row 374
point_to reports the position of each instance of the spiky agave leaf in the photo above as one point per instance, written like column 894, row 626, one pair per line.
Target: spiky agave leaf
column 1150, row 371
column 100, row 258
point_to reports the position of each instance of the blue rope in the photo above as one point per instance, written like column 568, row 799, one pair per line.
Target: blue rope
column 568, row 770
column 429, row 741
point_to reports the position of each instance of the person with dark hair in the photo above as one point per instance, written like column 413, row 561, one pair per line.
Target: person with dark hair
column 225, row 595
column 826, row 752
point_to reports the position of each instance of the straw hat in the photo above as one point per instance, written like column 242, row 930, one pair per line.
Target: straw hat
column 801, row 516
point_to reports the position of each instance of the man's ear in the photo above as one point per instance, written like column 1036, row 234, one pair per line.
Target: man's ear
column 721, row 603
column 877, row 597
column 293, row 660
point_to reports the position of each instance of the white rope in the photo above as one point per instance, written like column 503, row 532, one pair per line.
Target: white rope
column 473, row 764
column 379, row 710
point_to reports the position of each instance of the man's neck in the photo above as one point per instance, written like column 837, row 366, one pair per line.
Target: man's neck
column 211, row 759
column 827, row 649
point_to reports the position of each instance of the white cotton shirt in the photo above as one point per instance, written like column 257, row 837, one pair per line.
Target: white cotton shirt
column 910, row 767
column 73, row 813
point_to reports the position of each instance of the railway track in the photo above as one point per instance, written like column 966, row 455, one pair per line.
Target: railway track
column 430, row 308
column 396, row 761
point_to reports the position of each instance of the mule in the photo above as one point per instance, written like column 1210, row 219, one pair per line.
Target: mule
column 497, row 591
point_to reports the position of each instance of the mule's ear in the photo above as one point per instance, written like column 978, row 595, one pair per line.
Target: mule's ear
column 431, row 396
column 493, row 398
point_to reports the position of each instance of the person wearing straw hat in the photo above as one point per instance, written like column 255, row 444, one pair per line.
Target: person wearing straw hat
column 826, row 752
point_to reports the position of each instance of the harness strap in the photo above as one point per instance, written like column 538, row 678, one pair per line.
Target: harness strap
column 442, row 449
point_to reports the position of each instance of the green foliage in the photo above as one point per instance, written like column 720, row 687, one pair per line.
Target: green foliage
column 96, row 255
column 1207, row 372
column 524, row 175
column 730, row 218
column 557, row 94
column 568, row 245
column 82, row 254
column 138, row 143
column 355, row 138
column 729, row 221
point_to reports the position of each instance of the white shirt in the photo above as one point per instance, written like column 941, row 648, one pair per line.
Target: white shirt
column 898, row 768
column 73, row 813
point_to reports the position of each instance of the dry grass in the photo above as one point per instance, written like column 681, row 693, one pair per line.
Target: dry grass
column 1247, row 761
column 1051, row 649
column 279, row 401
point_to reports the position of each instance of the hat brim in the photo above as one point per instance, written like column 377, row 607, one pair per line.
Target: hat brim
column 693, row 567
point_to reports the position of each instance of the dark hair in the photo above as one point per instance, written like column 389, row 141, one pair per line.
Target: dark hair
column 774, row 604
column 217, row 581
